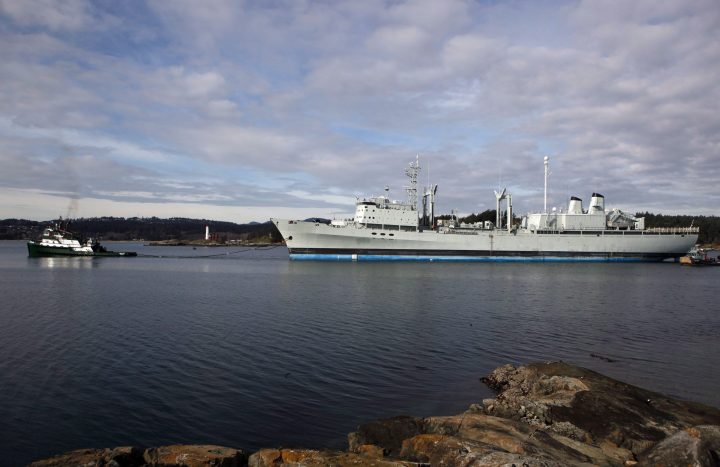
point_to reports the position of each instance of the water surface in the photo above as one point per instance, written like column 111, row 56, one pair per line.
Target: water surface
column 251, row 350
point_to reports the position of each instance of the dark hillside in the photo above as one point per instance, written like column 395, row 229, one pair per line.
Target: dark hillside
column 144, row 228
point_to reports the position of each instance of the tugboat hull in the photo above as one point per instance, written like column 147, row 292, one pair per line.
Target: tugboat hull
column 36, row 250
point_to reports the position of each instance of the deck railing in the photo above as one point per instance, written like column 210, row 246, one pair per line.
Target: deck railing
column 674, row 230
column 649, row 231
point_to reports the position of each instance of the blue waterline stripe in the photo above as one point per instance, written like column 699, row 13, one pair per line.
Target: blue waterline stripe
column 463, row 259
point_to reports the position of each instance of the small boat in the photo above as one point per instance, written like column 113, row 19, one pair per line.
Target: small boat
column 56, row 241
column 699, row 257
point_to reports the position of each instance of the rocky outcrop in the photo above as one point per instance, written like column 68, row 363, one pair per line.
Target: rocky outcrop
column 699, row 445
column 313, row 458
column 554, row 414
column 165, row 456
column 545, row 414
column 120, row 456
column 479, row 439
column 589, row 407
column 388, row 434
column 194, row 456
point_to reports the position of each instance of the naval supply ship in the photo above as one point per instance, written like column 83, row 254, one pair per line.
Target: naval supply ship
column 385, row 230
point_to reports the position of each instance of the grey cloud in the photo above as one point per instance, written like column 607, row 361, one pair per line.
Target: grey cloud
column 621, row 95
column 56, row 16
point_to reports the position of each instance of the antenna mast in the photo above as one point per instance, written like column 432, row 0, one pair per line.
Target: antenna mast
column 412, row 172
column 547, row 159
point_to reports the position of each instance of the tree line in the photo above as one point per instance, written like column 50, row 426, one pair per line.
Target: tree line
column 144, row 228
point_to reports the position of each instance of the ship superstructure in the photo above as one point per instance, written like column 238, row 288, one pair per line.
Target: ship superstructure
column 400, row 230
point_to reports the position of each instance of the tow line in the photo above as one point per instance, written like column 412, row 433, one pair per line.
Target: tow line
column 217, row 255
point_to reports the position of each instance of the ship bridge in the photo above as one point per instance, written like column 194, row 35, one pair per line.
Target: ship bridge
column 381, row 212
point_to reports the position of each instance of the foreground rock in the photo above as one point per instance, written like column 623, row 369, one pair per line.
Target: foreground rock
column 312, row 458
column 549, row 415
column 126, row 455
column 692, row 446
column 555, row 414
column 589, row 407
column 176, row 455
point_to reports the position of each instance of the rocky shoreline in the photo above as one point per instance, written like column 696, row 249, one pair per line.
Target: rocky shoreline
column 544, row 414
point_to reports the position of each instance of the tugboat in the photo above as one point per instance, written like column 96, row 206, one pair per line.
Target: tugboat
column 57, row 241
column 699, row 257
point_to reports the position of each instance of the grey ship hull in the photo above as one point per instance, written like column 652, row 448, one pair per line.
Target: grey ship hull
column 354, row 242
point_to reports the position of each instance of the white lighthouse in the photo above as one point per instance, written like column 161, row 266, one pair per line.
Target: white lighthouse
column 207, row 232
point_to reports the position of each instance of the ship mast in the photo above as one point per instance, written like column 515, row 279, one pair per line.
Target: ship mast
column 412, row 172
column 547, row 159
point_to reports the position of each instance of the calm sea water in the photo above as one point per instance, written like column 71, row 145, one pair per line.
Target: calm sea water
column 251, row 350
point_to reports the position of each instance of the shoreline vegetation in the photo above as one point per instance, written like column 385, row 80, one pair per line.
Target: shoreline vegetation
column 544, row 414
column 174, row 231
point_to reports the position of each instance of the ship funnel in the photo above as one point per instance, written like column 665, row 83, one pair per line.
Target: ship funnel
column 597, row 204
column 575, row 206
column 499, row 196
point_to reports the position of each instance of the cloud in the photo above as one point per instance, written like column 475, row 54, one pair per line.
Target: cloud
column 238, row 144
column 56, row 16
column 289, row 104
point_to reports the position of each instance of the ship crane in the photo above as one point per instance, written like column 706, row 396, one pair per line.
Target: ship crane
column 618, row 219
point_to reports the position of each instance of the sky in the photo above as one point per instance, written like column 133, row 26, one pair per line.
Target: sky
column 246, row 110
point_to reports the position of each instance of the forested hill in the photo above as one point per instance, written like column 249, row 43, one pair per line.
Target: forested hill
column 144, row 228
column 709, row 225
